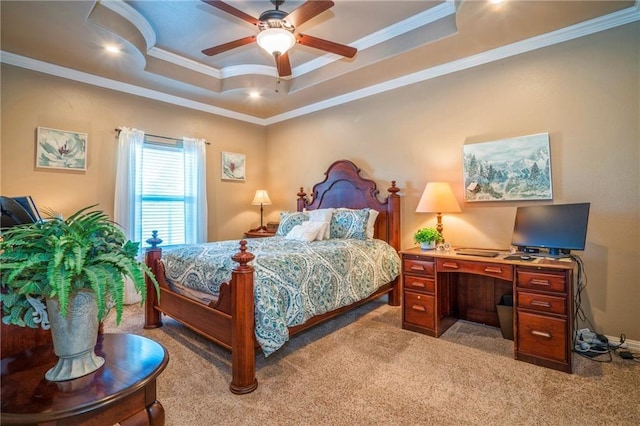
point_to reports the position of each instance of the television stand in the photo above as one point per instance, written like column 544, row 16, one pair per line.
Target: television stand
column 441, row 287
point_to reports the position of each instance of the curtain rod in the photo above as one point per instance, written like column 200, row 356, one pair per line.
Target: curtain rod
column 118, row 130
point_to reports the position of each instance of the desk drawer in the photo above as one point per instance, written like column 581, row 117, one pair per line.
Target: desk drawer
column 421, row 284
column 489, row 269
column 419, row 309
column 542, row 336
column 542, row 303
column 417, row 266
column 542, row 280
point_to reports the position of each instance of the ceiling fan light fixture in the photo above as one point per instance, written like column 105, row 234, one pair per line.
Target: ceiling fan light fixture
column 276, row 40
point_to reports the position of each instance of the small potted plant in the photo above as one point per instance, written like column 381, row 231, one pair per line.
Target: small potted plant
column 427, row 237
column 78, row 268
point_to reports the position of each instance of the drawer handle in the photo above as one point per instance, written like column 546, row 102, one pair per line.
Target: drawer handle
column 536, row 281
column 417, row 268
column 540, row 303
column 493, row 270
column 450, row 265
column 419, row 308
column 417, row 284
column 541, row 334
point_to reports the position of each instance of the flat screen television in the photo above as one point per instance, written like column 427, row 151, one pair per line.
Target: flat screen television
column 559, row 228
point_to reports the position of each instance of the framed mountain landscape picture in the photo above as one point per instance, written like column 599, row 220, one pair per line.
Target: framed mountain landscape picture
column 508, row 170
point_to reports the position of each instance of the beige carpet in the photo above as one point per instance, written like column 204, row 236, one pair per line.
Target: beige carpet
column 362, row 368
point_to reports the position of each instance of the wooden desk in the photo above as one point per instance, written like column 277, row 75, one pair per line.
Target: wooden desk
column 441, row 287
column 122, row 391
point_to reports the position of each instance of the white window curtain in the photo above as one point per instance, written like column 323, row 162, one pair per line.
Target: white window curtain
column 152, row 181
column 128, row 195
column 195, row 190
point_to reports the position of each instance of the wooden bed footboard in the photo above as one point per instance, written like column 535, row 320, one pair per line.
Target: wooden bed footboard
column 230, row 321
column 231, row 328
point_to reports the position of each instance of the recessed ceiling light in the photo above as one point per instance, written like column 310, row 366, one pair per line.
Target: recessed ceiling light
column 112, row 48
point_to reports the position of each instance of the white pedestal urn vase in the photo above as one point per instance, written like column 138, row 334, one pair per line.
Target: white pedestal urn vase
column 74, row 337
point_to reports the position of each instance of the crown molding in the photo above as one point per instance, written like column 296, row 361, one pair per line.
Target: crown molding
column 582, row 29
column 421, row 19
column 126, row 11
column 132, row 15
column 94, row 80
column 592, row 26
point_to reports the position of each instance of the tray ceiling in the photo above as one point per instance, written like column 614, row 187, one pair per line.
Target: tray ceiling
column 398, row 42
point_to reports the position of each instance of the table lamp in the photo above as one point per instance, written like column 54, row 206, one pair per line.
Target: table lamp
column 261, row 198
column 438, row 198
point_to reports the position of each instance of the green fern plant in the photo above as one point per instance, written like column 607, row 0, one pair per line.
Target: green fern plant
column 56, row 257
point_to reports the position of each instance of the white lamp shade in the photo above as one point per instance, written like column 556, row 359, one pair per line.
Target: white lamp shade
column 276, row 40
column 261, row 198
column 438, row 198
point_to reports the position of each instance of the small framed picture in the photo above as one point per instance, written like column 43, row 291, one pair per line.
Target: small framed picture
column 61, row 149
column 233, row 166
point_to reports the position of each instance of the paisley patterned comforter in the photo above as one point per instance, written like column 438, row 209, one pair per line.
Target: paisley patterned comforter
column 293, row 281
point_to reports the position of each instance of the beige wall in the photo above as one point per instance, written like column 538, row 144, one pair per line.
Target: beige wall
column 584, row 93
column 31, row 99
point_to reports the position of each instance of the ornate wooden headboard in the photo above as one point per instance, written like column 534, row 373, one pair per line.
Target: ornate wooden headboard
column 344, row 187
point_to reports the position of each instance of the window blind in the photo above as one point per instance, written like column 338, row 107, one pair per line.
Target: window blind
column 162, row 185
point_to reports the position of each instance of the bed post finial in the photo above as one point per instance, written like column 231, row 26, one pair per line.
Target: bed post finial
column 302, row 200
column 243, row 256
column 393, row 189
column 154, row 241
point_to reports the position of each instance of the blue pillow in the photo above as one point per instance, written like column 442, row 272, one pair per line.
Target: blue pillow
column 348, row 223
column 290, row 219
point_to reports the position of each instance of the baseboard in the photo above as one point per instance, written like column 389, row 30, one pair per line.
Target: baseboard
column 632, row 345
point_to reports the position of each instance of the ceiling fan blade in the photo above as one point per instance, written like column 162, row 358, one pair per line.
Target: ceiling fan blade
column 326, row 45
column 232, row 11
column 308, row 10
column 283, row 64
column 228, row 46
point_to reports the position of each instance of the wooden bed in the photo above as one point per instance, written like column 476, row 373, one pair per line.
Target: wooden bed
column 229, row 321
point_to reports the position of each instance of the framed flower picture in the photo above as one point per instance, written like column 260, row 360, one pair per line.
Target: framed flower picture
column 61, row 149
column 233, row 166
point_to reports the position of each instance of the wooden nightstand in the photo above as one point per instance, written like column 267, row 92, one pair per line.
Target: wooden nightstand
column 258, row 234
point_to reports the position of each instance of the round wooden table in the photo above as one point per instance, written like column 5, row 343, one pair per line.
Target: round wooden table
column 122, row 391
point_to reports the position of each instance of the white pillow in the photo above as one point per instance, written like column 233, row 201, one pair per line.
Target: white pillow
column 306, row 231
column 324, row 232
column 322, row 215
column 373, row 215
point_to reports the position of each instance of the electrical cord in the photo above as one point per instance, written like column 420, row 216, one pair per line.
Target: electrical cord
column 595, row 349
column 588, row 350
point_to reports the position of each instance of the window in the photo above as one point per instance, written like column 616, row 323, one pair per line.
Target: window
column 164, row 198
column 161, row 187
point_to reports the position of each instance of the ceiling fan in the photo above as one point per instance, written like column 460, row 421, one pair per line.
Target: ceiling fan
column 277, row 32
